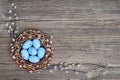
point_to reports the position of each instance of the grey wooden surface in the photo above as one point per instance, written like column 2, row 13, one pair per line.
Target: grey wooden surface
column 85, row 32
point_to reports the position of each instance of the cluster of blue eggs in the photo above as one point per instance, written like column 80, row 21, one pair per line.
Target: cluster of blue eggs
column 32, row 50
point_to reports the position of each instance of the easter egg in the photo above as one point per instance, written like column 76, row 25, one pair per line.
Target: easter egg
column 41, row 52
column 32, row 51
column 27, row 44
column 24, row 54
column 34, row 59
column 36, row 43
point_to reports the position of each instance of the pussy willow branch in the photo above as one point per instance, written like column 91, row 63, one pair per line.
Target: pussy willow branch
column 12, row 21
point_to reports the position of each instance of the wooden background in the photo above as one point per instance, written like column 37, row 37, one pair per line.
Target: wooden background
column 85, row 32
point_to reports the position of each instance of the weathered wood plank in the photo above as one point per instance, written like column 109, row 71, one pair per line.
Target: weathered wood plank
column 68, row 9
column 85, row 32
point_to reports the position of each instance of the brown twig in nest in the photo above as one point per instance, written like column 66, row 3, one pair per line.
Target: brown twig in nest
column 29, row 35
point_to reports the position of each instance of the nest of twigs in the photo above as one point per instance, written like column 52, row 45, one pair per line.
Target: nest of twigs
column 29, row 35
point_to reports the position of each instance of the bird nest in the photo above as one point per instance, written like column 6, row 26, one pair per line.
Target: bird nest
column 29, row 35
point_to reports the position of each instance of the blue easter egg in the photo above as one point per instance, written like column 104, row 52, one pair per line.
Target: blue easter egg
column 24, row 54
column 32, row 51
column 27, row 44
column 34, row 59
column 36, row 43
column 41, row 52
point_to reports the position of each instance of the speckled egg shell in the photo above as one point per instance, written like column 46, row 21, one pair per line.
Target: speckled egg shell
column 24, row 54
column 41, row 52
column 27, row 44
column 36, row 43
column 32, row 51
column 34, row 59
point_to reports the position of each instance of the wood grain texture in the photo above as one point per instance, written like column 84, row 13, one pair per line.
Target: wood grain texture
column 85, row 32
